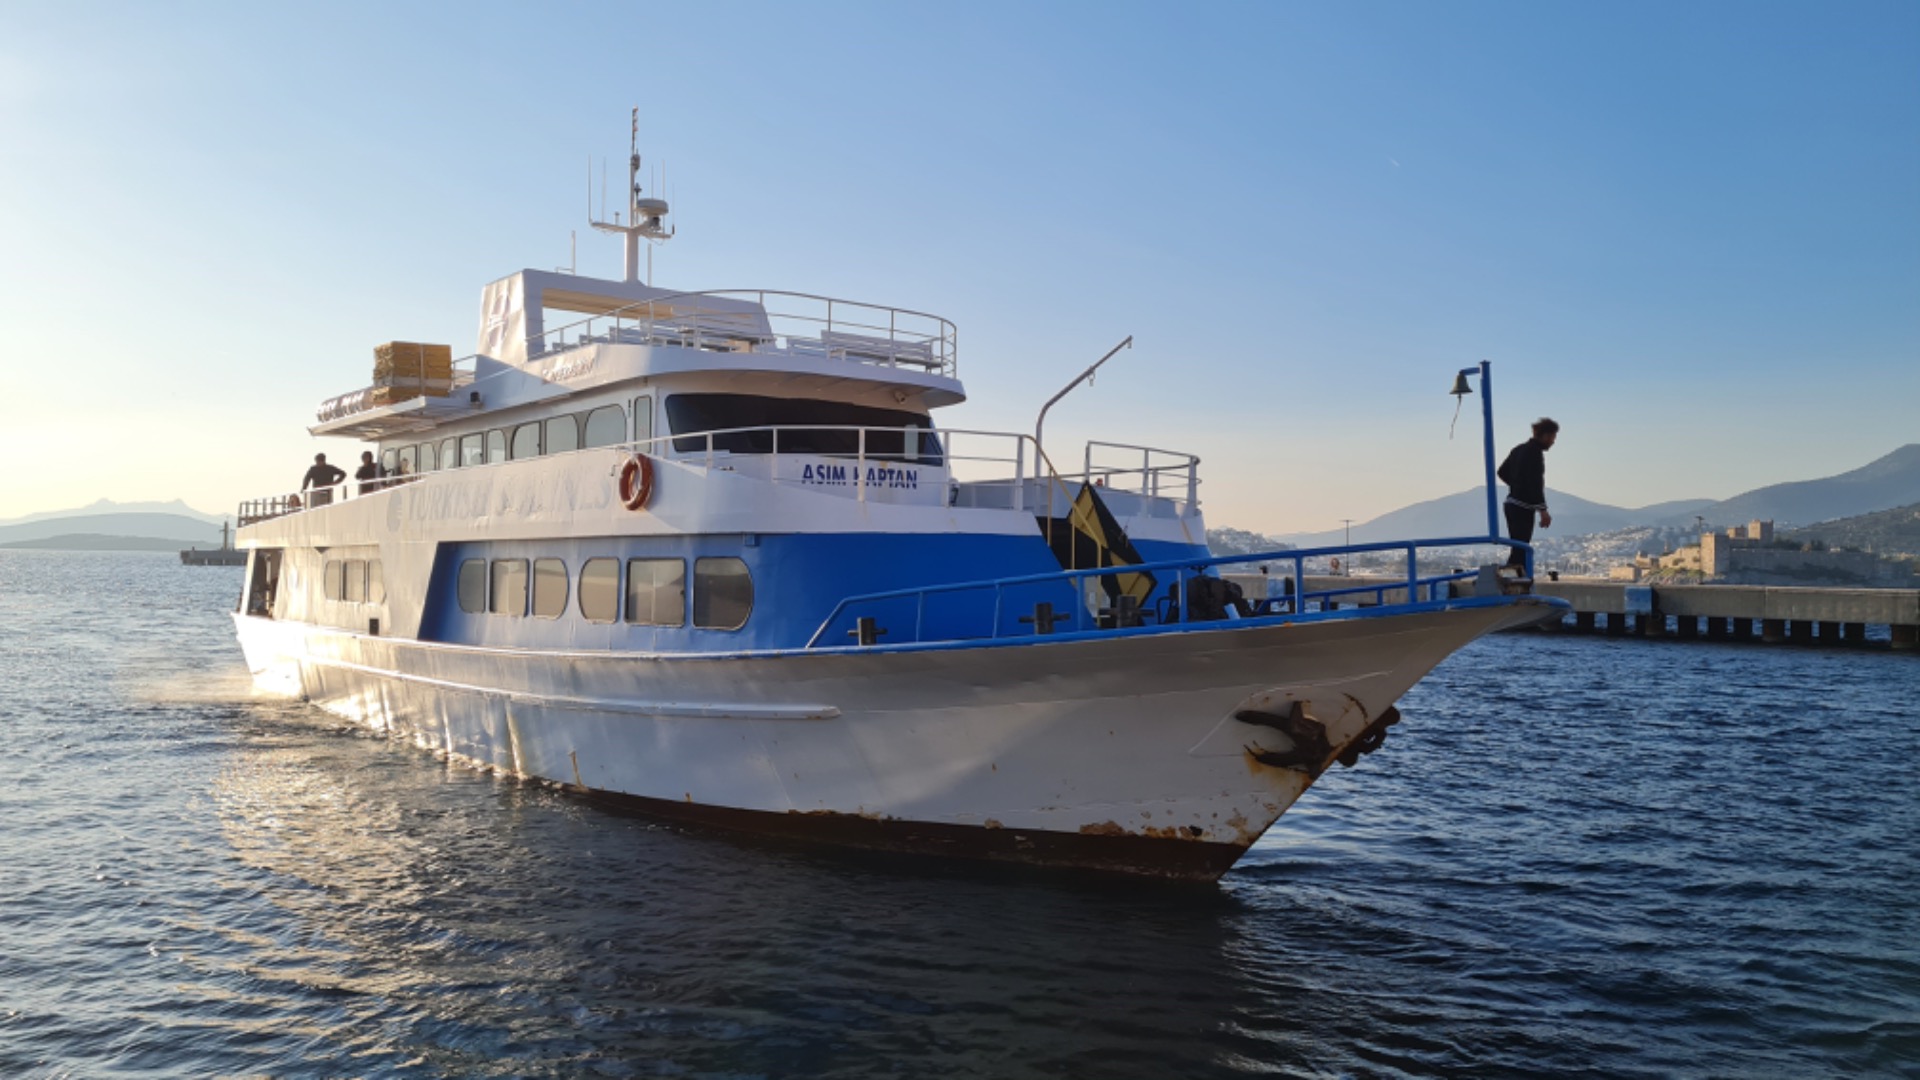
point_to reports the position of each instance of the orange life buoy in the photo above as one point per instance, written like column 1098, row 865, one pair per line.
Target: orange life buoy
column 636, row 481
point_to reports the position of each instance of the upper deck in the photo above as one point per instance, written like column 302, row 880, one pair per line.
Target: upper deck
column 534, row 322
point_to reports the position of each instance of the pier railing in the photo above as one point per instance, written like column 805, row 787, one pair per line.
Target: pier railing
column 769, row 320
column 1070, row 601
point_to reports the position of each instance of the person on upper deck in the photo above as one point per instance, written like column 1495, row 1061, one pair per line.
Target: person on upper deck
column 369, row 473
column 1525, row 473
column 321, row 478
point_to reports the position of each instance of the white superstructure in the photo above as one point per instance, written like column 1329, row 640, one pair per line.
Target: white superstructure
column 708, row 554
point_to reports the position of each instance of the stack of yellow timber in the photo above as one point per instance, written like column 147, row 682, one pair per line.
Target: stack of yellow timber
column 408, row 369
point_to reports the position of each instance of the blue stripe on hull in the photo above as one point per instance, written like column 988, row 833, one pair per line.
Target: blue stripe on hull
column 797, row 580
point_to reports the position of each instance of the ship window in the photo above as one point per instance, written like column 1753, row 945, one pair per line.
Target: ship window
column 549, row 588
column 409, row 460
column 427, row 458
column 689, row 414
column 376, row 583
column 656, row 592
column 509, row 593
column 496, row 446
column 722, row 593
column 333, row 579
column 389, row 459
column 356, row 583
column 600, row 590
column 449, row 455
column 526, row 441
column 606, row 426
column 473, row 450
column 643, row 419
column 563, row 434
column 473, row 586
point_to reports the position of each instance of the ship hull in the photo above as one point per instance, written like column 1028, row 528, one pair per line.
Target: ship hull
column 1148, row 753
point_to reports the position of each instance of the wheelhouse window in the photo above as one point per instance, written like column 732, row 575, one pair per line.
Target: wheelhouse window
column 409, row 460
column 333, row 579
column 496, row 446
column 549, row 588
column 508, row 592
column 563, row 434
column 449, row 455
column 722, row 593
column 600, row 590
column 606, row 426
column 473, row 449
column 428, row 460
column 356, row 583
column 526, row 441
column 656, row 592
column 889, row 440
column 389, row 460
column 473, row 586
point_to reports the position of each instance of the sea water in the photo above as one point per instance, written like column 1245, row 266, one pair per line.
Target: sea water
column 1576, row 856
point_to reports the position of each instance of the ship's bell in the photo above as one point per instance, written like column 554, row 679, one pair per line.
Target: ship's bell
column 1460, row 384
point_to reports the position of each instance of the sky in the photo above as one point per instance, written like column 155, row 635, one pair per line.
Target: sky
column 1688, row 232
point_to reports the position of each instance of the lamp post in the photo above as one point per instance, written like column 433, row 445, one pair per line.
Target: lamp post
column 1348, row 522
column 1460, row 386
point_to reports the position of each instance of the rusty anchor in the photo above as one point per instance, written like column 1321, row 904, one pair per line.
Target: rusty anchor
column 1370, row 739
column 1309, row 751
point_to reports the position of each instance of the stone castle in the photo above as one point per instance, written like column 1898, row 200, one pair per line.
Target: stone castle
column 1748, row 554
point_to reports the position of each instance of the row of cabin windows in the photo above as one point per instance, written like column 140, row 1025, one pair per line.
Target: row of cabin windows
column 354, row 581
column 604, row 426
column 743, row 424
column 656, row 590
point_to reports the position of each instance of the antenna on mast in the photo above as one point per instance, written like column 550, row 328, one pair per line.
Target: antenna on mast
column 643, row 215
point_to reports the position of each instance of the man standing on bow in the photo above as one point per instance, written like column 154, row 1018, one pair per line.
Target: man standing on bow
column 1525, row 473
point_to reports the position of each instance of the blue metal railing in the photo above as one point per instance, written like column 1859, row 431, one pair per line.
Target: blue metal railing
column 1067, row 589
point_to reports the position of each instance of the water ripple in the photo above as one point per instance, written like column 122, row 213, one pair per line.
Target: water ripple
column 1575, row 858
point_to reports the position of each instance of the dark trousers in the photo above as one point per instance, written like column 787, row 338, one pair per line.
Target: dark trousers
column 1520, row 527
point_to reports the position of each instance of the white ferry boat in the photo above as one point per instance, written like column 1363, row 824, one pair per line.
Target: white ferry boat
column 708, row 555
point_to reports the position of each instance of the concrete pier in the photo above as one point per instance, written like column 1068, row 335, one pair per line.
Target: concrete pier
column 1806, row 616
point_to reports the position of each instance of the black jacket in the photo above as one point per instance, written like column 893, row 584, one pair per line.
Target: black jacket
column 323, row 476
column 1525, row 472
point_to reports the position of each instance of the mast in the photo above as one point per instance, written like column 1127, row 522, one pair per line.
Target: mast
column 643, row 215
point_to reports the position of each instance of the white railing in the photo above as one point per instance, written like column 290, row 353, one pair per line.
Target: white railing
column 397, row 389
column 960, row 467
column 291, row 502
column 965, row 462
column 1142, row 470
column 741, row 320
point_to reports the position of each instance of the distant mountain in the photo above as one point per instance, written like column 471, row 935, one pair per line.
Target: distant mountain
column 1887, row 532
column 1465, row 514
column 176, row 529
column 108, row 506
column 98, row 542
column 1892, row 481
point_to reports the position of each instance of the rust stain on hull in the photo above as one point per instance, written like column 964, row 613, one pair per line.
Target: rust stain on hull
column 1174, row 853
